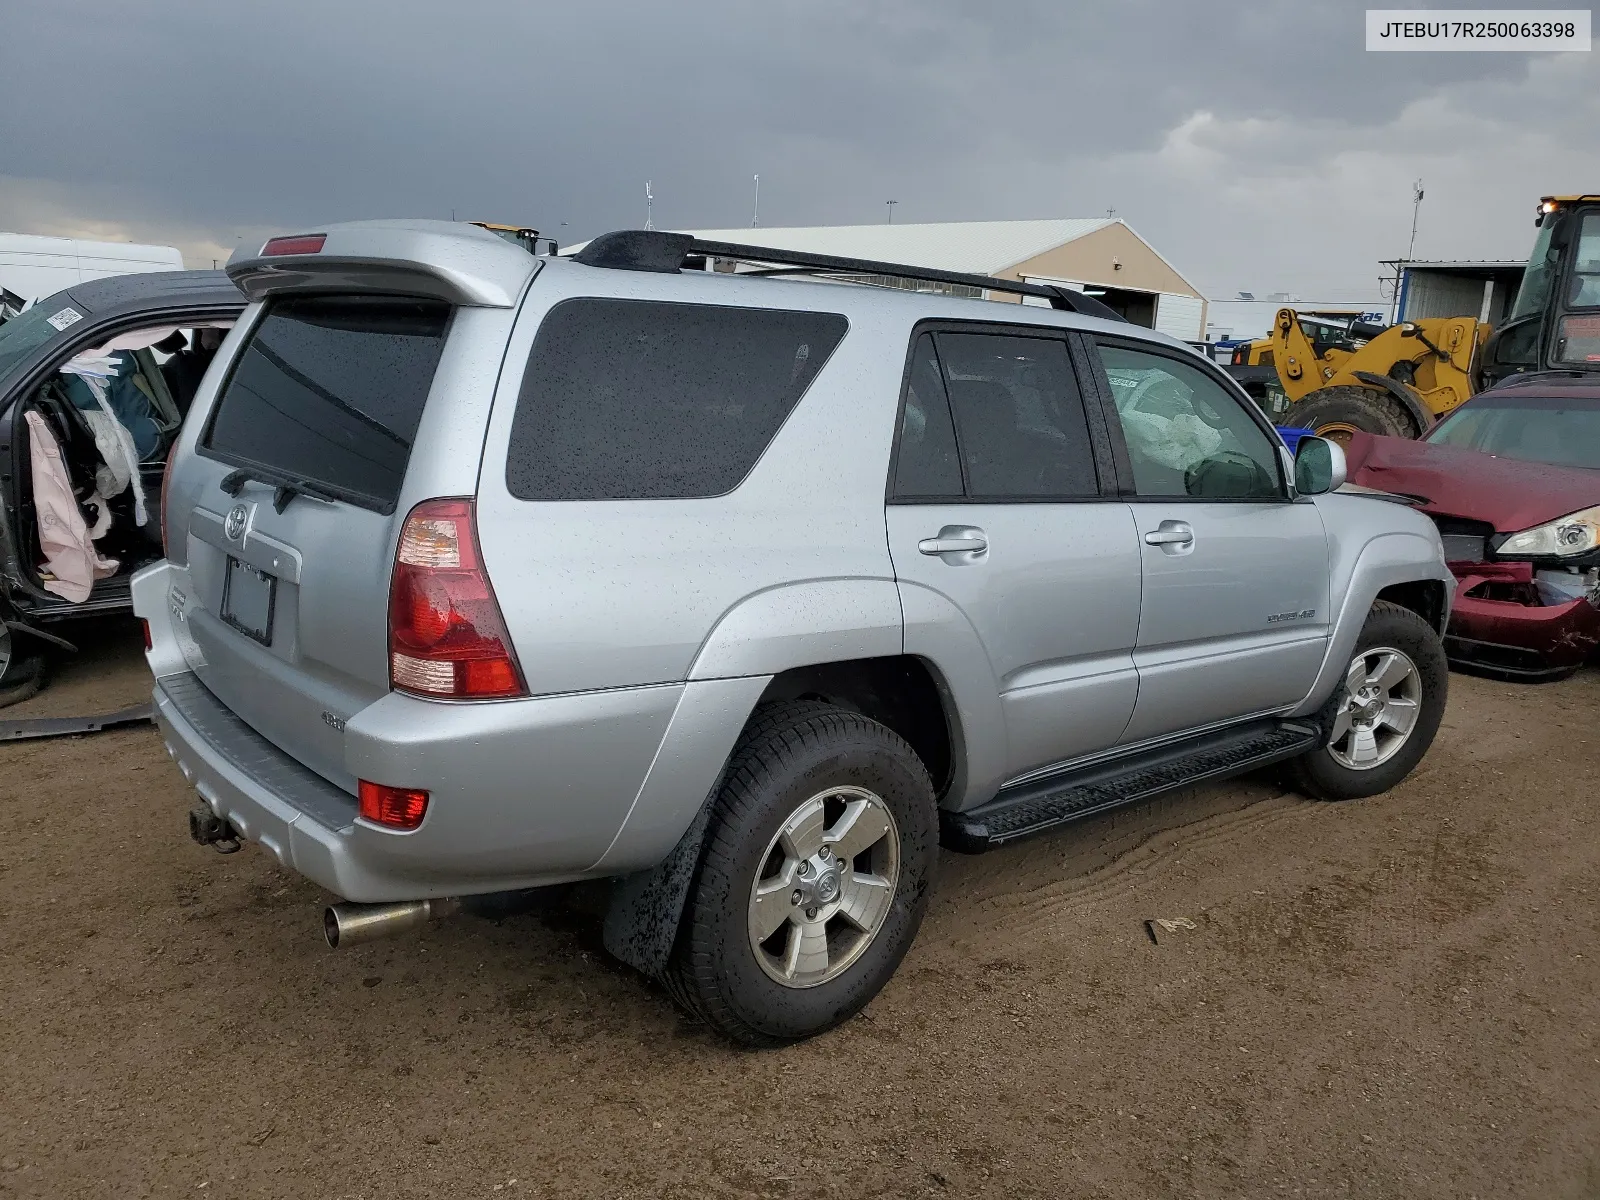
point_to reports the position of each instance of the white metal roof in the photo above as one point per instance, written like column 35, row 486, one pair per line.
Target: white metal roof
column 975, row 247
column 76, row 248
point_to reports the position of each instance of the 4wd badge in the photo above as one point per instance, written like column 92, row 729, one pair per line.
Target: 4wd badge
column 238, row 516
column 1304, row 614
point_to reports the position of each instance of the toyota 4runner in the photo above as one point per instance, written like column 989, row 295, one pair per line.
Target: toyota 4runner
column 489, row 571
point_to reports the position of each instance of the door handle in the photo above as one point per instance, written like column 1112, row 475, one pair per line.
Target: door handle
column 955, row 539
column 1171, row 533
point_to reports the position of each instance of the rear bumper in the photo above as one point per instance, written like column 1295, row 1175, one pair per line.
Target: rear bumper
column 522, row 793
column 1522, row 641
column 473, row 840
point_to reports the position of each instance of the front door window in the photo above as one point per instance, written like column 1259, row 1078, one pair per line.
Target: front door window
column 1186, row 436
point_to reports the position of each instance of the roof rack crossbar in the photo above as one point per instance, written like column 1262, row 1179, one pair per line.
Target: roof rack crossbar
column 650, row 248
column 865, row 266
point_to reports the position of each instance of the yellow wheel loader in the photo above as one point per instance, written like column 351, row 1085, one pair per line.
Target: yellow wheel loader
column 1399, row 379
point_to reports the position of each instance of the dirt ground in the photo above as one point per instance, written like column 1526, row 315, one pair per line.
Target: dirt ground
column 1396, row 997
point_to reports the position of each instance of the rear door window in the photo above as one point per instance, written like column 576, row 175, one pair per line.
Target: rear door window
column 1019, row 417
column 639, row 400
column 928, row 466
column 330, row 390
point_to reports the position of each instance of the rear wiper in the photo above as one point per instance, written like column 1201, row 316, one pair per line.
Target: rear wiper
column 284, row 487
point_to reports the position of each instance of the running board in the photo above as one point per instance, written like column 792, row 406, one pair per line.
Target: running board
column 1025, row 809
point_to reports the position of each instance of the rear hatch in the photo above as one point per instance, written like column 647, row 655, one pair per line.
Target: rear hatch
column 287, row 500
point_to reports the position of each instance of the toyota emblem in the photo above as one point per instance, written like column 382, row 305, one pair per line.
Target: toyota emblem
column 234, row 526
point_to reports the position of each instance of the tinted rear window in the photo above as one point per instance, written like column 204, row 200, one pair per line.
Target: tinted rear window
column 634, row 399
column 330, row 389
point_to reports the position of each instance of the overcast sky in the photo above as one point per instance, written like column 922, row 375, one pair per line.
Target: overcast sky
column 1256, row 145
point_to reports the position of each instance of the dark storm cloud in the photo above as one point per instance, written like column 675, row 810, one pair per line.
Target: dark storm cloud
column 225, row 119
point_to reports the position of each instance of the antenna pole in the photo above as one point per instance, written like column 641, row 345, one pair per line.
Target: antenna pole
column 1399, row 267
column 649, row 200
column 1416, row 209
column 891, row 204
column 755, row 213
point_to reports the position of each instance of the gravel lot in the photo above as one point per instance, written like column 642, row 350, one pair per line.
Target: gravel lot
column 1397, row 997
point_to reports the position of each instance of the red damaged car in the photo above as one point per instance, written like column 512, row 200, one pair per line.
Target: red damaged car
column 1512, row 479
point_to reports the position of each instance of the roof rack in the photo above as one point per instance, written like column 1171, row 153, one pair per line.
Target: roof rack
column 655, row 250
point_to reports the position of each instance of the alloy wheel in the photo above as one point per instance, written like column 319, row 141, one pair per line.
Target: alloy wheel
column 1382, row 699
column 825, row 885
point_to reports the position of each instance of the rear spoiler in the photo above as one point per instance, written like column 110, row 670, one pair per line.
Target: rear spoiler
column 439, row 260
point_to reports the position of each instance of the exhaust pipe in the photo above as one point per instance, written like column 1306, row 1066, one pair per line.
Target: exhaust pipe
column 352, row 924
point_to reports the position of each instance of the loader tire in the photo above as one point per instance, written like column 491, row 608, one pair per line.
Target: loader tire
column 1337, row 412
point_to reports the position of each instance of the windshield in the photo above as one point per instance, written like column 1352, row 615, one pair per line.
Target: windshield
column 1541, row 273
column 1585, row 286
column 1324, row 331
column 22, row 335
column 1563, row 433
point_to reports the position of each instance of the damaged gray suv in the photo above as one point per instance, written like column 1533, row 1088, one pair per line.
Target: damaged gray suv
column 489, row 571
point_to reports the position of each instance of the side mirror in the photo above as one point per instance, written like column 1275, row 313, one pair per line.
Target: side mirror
column 1318, row 466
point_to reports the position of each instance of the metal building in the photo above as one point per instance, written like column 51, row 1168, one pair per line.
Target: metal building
column 1484, row 290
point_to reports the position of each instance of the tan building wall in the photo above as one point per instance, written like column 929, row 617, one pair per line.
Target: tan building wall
column 1089, row 260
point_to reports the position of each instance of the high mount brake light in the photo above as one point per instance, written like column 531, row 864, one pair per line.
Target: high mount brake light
column 447, row 639
column 302, row 243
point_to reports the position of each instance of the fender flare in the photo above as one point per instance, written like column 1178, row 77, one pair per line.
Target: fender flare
column 758, row 638
column 1407, row 397
column 764, row 634
column 1379, row 564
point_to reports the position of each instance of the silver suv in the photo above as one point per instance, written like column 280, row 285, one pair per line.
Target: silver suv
column 489, row 571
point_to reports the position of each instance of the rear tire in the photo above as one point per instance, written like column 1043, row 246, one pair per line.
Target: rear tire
column 806, row 775
column 1335, row 412
column 1397, row 676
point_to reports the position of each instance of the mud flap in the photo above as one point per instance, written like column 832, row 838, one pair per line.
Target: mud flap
column 641, row 922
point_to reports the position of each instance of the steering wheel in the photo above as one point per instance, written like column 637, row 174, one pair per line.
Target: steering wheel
column 1228, row 475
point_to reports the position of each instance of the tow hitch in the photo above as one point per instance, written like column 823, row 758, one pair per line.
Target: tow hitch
column 211, row 830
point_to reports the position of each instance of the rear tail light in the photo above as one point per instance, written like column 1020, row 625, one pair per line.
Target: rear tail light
column 305, row 243
column 447, row 638
column 392, row 807
column 149, row 643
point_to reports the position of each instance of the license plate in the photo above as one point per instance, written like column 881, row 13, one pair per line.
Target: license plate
column 1464, row 547
column 247, row 596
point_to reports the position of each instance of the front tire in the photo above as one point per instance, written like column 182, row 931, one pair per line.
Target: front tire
column 1337, row 412
column 1385, row 712
column 814, row 879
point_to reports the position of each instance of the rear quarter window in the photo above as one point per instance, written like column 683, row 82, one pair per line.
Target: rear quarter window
column 330, row 389
column 642, row 400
